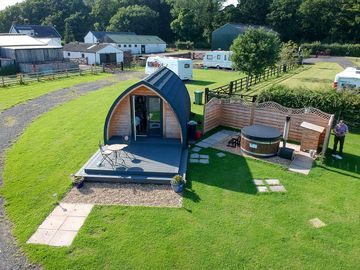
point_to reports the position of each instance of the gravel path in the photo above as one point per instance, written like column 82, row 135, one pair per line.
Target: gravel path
column 12, row 123
column 342, row 61
column 124, row 194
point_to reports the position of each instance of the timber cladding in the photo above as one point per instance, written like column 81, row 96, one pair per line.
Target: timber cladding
column 120, row 121
column 238, row 114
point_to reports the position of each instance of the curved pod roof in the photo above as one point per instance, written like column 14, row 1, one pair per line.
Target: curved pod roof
column 171, row 88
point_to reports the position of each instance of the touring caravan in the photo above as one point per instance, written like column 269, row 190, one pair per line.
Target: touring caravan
column 348, row 78
column 182, row 67
column 218, row 59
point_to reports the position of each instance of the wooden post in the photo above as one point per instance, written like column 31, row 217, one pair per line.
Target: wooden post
column 252, row 113
column 327, row 138
column 206, row 95
column 247, row 82
column 231, row 86
column 122, row 66
column 80, row 71
column 3, row 81
column 91, row 68
column 103, row 67
column 241, row 84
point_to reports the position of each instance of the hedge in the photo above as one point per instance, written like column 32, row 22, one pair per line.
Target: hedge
column 334, row 49
column 344, row 104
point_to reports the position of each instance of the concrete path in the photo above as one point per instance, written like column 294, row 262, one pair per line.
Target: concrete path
column 62, row 225
column 302, row 163
column 342, row 61
column 22, row 115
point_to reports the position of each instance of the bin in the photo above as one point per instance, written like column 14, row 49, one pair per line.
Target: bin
column 192, row 130
column 198, row 97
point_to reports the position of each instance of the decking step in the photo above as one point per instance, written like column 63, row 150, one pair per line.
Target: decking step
column 123, row 173
column 128, row 179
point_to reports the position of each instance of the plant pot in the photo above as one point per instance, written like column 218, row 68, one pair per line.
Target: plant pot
column 178, row 188
column 79, row 185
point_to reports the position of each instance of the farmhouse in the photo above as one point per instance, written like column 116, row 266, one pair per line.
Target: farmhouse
column 30, row 54
column 45, row 33
column 223, row 37
column 146, row 127
column 93, row 54
column 128, row 41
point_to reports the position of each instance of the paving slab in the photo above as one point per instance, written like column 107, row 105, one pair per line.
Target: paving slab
column 262, row 189
column 204, row 156
column 203, row 144
column 204, row 161
column 194, row 155
column 72, row 224
column 302, row 163
column 196, row 149
column 272, row 182
column 258, row 182
column 279, row 188
column 317, row 223
column 194, row 160
column 42, row 236
column 298, row 169
column 221, row 154
column 63, row 238
column 53, row 222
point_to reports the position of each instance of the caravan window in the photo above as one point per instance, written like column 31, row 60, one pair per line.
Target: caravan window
column 186, row 65
column 225, row 57
column 218, row 57
column 209, row 57
column 68, row 54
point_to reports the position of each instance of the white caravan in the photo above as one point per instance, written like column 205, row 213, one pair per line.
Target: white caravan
column 218, row 59
column 182, row 67
column 348, row 78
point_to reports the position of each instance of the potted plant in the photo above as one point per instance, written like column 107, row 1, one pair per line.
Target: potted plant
column 78, row 181
column 177, row 183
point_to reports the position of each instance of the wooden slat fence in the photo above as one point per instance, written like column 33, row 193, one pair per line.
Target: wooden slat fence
column 239, row 113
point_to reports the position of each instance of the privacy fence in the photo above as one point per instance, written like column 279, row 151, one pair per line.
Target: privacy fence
column 238, row 88
column 43, row 76
column 239, row 113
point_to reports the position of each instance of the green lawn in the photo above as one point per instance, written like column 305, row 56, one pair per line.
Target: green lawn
column 355, row 60
column 320, row 75
column 223, row 224
column 12, row 95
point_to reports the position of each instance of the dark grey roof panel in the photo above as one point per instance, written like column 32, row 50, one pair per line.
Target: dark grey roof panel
column 40, row 31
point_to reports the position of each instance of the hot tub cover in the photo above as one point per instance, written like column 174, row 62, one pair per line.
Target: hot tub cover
column 261, row 133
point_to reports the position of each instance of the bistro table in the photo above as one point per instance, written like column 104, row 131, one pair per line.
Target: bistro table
column 116, row 148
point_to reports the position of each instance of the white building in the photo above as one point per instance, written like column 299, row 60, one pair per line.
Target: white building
column 44, row 33
column 90, row 54
column 128, row 41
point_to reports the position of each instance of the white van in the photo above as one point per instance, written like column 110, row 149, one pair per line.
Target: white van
column 182, row 67
column 218, row 59
column 349, row 78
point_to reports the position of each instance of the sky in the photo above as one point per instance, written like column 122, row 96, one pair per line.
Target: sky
column 5, row 3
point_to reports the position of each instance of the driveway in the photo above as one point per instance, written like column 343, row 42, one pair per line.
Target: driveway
column 13, row 121
column 342, row 61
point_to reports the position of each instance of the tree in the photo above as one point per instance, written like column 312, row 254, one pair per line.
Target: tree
column 254, row 11
column 284, row 18
column 138, row 19
column 255, row 50
column 185, row 28
column 289, row 53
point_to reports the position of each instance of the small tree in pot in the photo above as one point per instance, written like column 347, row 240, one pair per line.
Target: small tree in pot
column 78, row 181
column 177, row 183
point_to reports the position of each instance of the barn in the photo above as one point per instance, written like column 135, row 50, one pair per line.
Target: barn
column 223, row 37
column 146, row 128
column 44, row 33
column 128, row 41
column 93, row 54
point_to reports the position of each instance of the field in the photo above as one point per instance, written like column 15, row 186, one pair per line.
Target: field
column 12, row 95
column 223, row 223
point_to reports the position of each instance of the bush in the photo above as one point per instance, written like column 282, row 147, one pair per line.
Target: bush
column 340, row 103
column 334, row 49
column 184, row 45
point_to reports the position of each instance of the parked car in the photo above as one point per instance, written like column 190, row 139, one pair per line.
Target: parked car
column 348, row 78
column 182, row 67
column 218, row 59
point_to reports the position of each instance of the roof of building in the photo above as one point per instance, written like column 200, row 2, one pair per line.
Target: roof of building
column 242, row 27
column 40, row 31
column 87, row 47
column 7, row 40
column 135, row 39
column 31, row 47
column 101, row 34
column 171, row 88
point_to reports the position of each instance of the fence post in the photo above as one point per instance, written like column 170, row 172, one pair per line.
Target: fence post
column 3, row 81
column 278, row 71
column 67, row 73
column 80, row 71
column 206, row 95
column 103, row 67
column 241, row 84
column 247, row 82
column 231, row 86
column 92, row 71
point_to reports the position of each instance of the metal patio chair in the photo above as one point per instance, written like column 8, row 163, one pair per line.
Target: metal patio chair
column 106, row 156
column 126, row 140
column 234, row 142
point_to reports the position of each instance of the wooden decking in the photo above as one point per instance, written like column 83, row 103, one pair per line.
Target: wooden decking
column 149, row 160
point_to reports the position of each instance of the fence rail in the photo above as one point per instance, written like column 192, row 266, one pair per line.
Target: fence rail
column 23, row 78
column 237, row 87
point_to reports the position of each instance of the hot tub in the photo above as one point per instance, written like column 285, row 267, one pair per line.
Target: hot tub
column 260, row 141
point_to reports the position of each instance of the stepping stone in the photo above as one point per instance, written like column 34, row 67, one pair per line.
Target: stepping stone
column 258, row 182
column 194, row 160
column 317, row 223
column 194, row 155
column 72, row 223
column 63, row 238
column 220, row 154
column 204, row 161
column 298, row 169
column 262, row 189
column 196, row 149
column 42, row 236
column 273, row 182
column 204, row 156
column 203, row 144
column 277, row 188
column 52, row 222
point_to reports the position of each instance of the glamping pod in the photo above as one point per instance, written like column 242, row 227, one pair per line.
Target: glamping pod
column 156, row 107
